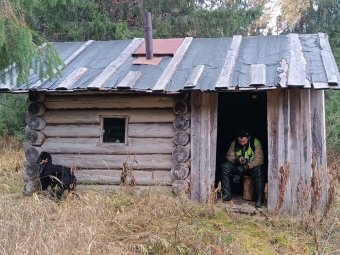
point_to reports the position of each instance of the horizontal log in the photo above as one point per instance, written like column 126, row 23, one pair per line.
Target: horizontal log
column 36, row 123
column 152, row 161
column 148, row 130
column 114, row 177
column 151, row 130
column 93, row 146
column 108, row 102
column 115, row 188
column 36, row 109
column 90, row 130
column 93, row 116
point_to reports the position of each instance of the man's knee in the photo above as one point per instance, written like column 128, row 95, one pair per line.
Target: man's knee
column 226, row 167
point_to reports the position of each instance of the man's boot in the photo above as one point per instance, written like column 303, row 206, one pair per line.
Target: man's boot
column 226, row 188
column 259, row 186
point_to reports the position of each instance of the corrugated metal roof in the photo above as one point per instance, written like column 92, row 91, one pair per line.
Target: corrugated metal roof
column 206, row 64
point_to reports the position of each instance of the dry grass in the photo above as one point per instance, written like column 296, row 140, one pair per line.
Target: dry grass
column 148, row 223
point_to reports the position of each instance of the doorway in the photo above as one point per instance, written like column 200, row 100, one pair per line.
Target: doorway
column 237, row 110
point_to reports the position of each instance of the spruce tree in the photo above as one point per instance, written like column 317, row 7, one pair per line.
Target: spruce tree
column 22, row 50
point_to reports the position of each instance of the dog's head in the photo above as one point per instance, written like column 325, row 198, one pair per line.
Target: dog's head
column 44, row 158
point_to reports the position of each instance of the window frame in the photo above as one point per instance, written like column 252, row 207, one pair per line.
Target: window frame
column 102, row 117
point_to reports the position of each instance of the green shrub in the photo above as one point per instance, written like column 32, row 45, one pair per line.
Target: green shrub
column 12, row 114
column 333, row 120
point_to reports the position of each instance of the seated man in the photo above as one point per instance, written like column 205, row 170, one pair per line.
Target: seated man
column 245, row 156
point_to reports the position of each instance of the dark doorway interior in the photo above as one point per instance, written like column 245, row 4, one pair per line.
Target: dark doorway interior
column 236, row 110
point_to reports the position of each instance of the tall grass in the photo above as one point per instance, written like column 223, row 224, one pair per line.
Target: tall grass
column 148, row 223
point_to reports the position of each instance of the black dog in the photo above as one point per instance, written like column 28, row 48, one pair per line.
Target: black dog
column 58, row 177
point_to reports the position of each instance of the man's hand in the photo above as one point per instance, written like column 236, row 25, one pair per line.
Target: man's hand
column 242, row 160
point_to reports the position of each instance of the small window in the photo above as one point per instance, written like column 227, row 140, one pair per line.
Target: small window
column 114, row 130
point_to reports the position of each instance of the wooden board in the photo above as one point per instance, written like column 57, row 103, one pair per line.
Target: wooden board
column 295, row 131
column 107, row 101
column 295, row 146
column 319, row 140
column 203, row 132
column 150, row 161
column 94, row 146
column 100, row 80
column 224, row 80
column 258, row 75
column 167, row 74
column 66, row 62
column 142, row 177
column 72, row 78
column 297, row 63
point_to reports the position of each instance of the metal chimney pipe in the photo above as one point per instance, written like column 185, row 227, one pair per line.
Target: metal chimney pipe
column 148, row 35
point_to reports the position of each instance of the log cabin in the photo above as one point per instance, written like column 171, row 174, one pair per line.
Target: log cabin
column 168, row 119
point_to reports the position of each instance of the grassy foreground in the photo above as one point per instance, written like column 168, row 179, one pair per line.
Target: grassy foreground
column 149, row 223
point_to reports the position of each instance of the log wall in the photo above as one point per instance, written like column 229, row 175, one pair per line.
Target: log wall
column 69, row 127
column 296, row 150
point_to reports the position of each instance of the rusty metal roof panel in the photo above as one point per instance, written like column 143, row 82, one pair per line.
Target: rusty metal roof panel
column 267, row 50
column 202, row 52
column 95, row 58
column 206, row 64
column 149, row 74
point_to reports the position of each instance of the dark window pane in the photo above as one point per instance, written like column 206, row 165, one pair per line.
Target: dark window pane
column 114, row 130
